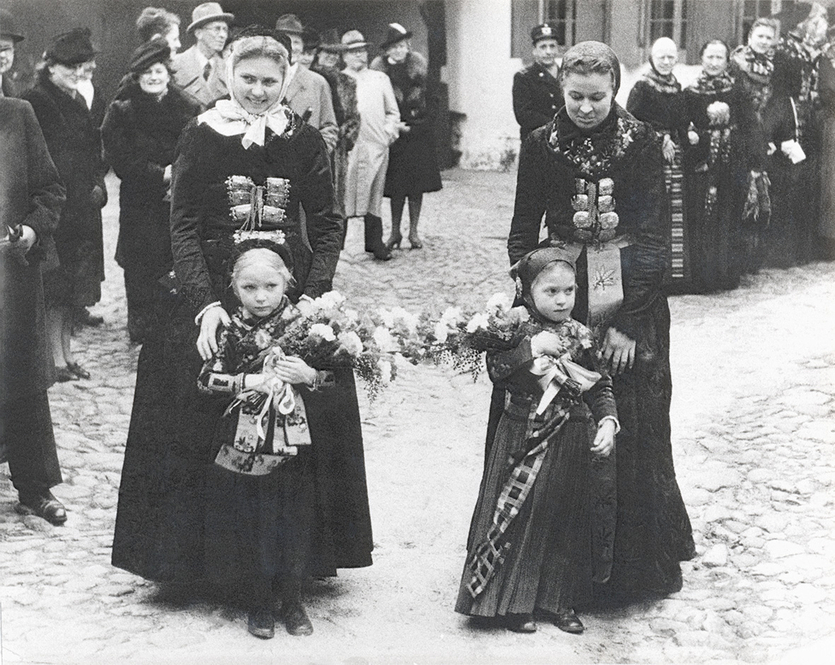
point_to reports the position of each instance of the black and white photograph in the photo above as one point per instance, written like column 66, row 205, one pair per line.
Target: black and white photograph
column 444, row 332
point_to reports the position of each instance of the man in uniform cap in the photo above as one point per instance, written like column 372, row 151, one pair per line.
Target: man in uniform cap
column 308, row 93
column 9, row 37
column 536, row 91
column 200, row 70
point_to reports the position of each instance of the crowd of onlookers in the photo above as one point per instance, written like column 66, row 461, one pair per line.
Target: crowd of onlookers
column 749, row 145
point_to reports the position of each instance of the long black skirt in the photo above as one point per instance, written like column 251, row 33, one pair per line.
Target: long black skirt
column 162, row 510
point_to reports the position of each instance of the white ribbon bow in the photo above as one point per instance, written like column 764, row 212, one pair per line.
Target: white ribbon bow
column 554, row 372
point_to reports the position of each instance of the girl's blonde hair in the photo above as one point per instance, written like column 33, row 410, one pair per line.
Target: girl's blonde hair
column 264, row 257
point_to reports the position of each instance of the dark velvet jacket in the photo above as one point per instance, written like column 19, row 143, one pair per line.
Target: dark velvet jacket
column 201, row 225
column 537, row 97
column 31, row 194
column 662, row 109
column 625, row 150
column 74, row 142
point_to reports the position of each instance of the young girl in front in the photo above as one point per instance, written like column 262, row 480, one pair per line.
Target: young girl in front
column 530, row 542
column 260, row 491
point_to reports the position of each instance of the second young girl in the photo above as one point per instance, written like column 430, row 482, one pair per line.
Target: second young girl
column 530, row 543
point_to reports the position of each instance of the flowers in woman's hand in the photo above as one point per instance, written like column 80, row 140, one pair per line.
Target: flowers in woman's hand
column 329, row 301
column 350, row 343
column 451, row 317
column 323, row 331
column 719, row 113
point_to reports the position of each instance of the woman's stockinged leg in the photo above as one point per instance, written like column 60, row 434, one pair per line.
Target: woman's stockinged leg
column 260, row 621
column 397, row 204
column 415, row 204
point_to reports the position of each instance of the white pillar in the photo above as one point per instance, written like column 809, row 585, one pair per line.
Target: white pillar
column 480, row 72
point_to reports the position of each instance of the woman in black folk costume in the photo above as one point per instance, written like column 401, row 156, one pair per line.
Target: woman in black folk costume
column 140, row 134
column 794, row 118
column 413, row 162
column 657, row 99
column 752, row 66
column 721, row 165
column 534, row 551
column 242, row 142
column 597, row 175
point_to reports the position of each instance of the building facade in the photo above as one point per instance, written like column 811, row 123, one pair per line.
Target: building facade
column 474, row 46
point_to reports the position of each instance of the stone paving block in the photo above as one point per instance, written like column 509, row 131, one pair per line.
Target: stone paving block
column 778, row 549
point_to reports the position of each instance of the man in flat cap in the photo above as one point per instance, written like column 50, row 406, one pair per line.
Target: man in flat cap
column 9, row 37
column 536, row 91
column 308, row 93
column 200, row 70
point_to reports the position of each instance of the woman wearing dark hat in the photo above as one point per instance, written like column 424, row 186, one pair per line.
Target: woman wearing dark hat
column 9, row 37
column 75, row 145
column 413, row 163
column 140, row 133
column 596, row 174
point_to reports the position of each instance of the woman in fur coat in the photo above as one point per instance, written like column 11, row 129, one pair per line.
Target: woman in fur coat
column 413, row 165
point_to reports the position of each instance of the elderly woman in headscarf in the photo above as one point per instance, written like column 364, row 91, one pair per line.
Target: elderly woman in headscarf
column 597, row 175
column 250, row 164
column 140, row 133
column 656, row 98
column 723, row 165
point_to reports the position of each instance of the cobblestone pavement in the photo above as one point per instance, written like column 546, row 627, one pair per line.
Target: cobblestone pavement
column 754, row 377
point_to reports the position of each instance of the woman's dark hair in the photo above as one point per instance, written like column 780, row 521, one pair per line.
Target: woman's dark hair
column 155, row 21
column 710, row 42
column 585, row 66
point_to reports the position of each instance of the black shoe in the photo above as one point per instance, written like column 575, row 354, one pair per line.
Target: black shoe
column 45, row 506
column 84, row 318
column 520, row 623
column 78, row 371
column 261, row 624
column 568, row 621
column 296, row 620
column 63, row 374
column 374, row 238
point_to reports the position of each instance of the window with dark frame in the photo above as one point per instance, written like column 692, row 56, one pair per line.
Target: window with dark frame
column 562, row 14
column 667, row 18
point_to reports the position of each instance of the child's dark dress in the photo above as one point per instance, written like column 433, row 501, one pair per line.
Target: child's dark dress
column 550, row 559
column 258, row 527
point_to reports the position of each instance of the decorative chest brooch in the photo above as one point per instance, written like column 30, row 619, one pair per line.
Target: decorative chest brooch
column 595, row 219
column 254, row 206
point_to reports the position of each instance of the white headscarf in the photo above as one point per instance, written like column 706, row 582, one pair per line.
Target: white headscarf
column 229, row 118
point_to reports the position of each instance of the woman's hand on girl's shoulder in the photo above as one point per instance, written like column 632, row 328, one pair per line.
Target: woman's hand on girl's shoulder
column 212, row 319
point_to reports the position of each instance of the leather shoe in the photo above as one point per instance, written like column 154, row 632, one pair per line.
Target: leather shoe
column 45, row 506
column 84, row 318
column 520, row 623
column 63, row 374
column 261, row 624
column 78, row 371
column 296, row 620
column 568, row 621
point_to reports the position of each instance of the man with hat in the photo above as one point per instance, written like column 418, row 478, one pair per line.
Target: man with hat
column 200, row 70
column 9, row 37
column 379, row 128
column 308, row 93
column 536, row 91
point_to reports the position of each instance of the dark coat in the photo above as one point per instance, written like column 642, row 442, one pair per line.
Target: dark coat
column 661, row 109
column 74, row 143
column 653, row 530
column 31, row 194
column 413, row 163
column 140, row 135
column 537, row 97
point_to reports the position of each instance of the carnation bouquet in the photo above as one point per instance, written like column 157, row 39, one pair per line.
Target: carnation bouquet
column 335, row 336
